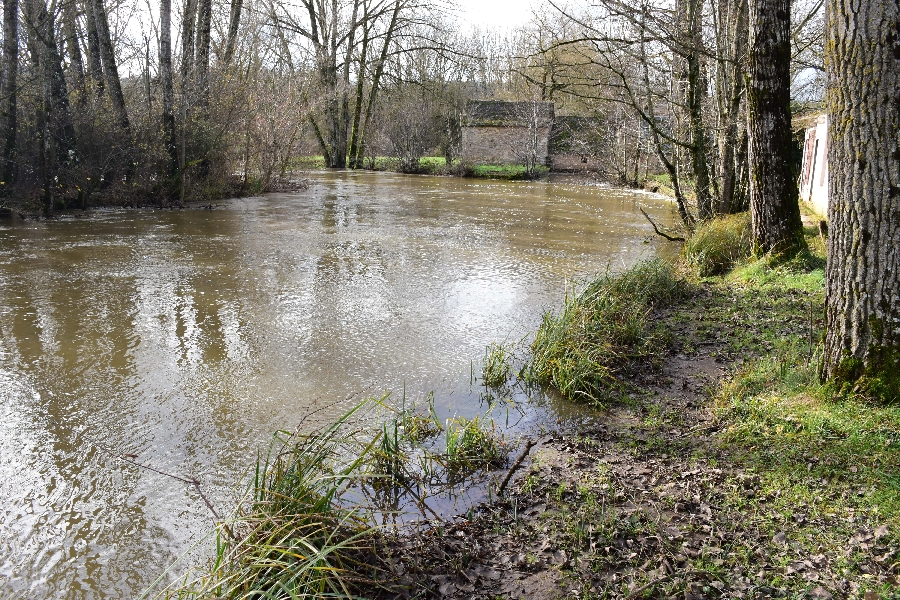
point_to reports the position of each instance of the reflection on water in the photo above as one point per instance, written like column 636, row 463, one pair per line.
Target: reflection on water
column 186, row 338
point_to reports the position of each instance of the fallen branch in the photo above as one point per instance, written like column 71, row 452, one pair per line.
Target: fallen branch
column 516, row 464
column 671, row 238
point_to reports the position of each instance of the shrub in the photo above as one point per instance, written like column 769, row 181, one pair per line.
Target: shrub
column 719, row 244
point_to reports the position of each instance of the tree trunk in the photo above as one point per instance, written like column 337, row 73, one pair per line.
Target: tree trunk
column 355, row 162
column 696, row 90
column 204, row 28
column 863, row 276
column 95, row 62
column 168, row 93
column 376, row 78
column 8, row 88
column 110, row 70
column 774, row 198
column 73, row 48
column 187, row 45
column 233, row 27
column 730, row 153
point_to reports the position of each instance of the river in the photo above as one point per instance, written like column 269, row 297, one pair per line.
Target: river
column 185, row 338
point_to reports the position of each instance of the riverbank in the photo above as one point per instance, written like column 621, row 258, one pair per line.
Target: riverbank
column 715, row 465
column 725, row 470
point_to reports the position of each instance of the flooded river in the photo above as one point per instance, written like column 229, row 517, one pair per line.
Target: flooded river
column 186, row 338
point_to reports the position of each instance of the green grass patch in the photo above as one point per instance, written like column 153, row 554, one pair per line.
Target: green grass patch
column 718, row 245
column 496, row 368
column 508, row 172
column 584, row 349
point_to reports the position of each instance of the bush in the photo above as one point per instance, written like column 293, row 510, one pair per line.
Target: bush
column 718, row 245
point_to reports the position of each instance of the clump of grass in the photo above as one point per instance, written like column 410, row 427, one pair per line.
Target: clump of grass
column 297, row 535
column 472, row 444
column 718, row 245
column 583, row 350
column 495, row 367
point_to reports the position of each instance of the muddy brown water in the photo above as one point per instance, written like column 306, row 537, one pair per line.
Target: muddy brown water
column 186, row 338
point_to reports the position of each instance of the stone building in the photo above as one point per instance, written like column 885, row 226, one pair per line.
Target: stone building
column 814, row 174
column 500, row 132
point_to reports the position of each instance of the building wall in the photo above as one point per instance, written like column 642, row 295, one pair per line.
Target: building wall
column 501, row 145
column 572, row 162
column 814, row 174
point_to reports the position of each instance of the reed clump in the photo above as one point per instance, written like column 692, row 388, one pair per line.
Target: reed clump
column 583, row 350
column 495, row 368
column 718, row 245
column 298, row 534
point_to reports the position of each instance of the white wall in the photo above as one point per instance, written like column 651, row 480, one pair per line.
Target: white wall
column 814, row 174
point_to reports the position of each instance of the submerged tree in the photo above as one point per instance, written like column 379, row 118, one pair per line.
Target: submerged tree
column 774, row 198
column 862, row 342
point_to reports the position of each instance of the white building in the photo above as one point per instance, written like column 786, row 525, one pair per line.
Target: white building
column 814, row 175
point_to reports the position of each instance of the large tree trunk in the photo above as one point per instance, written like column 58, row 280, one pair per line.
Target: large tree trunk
column 8, row 88
column 168, row 93
column 863, row 279
column 774, row 198
column 110, row 70
column 695, row 92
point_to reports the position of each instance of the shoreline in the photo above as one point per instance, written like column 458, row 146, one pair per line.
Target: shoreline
column 720, row 467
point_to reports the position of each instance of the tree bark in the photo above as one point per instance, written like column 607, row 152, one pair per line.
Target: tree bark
column 8, row 88
column 110, row 70
column 774, row 198
column 95, row 62
column 863, row 274
column 204, row 29
column 73, row 47
column 696, row 90
column 233, row 27
column 168, row 93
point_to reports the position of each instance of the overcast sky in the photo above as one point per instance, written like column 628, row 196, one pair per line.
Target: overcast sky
column 495, row 13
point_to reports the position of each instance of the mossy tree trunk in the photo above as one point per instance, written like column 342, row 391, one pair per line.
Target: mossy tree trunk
column 863, row 276
column 774, row 198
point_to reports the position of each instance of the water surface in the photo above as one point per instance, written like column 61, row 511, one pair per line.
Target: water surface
column 185, row 338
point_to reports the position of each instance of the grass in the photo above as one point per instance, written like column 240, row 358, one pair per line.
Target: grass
column 472, row 444
column 308, row 526
column 297, row 535
column 584, row 349
column 718, row 245
column 495, row 369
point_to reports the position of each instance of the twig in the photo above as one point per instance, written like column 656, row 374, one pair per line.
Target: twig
column 516, row 464
column 671, row 238
column 127, row 459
